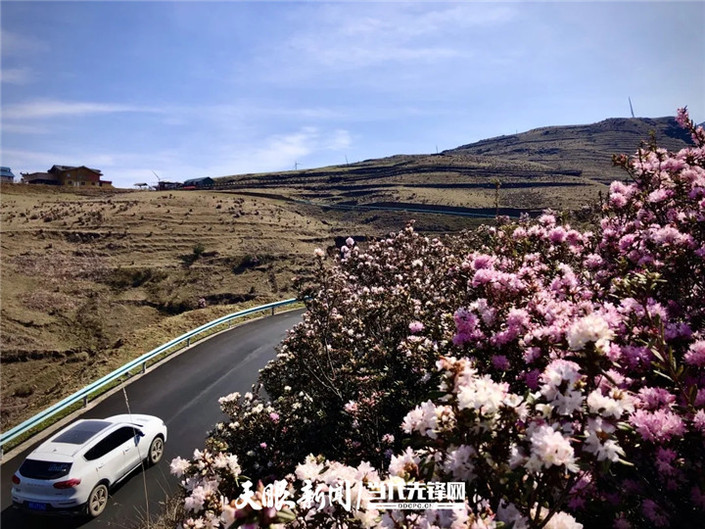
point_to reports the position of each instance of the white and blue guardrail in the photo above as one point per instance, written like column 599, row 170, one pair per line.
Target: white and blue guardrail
column 95, row 387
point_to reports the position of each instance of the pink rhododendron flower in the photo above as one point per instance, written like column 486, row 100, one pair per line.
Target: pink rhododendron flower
column 416, row 326
column 660, row 425
column 699, row 421
column 654, row 513
column 696, row 354
column 500, row 362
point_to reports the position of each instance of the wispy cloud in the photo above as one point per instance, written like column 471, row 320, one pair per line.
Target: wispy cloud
column 411, row 23
column 395, row 33
column 17, row 43
column 340, row 139
column 42, row 160
column 24, row 128
column 17, row 76
column 282, row 151
column 367, row 54
column 43, row 109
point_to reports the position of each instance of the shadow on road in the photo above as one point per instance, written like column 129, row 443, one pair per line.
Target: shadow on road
column 12, row 518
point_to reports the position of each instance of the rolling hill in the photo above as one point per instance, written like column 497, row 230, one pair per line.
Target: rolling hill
column 548, row 167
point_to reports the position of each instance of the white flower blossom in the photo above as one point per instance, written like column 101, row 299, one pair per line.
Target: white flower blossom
column 459, row 463
column 590, row 328
column 548, row 448
column 310, row 469
column 178, row 466
column 482, row 394
column 400, row 465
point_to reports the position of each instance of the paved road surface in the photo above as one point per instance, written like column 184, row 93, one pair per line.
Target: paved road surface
column 184, row 392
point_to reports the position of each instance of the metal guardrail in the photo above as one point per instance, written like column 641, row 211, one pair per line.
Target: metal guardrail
column 95, row 387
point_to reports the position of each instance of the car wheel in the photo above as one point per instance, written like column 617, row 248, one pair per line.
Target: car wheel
column 97, row 501
column 156, row 451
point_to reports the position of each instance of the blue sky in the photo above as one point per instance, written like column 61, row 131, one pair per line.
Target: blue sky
column 190, row 89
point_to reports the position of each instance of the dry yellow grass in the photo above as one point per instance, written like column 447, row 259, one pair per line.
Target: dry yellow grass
column 92, row 279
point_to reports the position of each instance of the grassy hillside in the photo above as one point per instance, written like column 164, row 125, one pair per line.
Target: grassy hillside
column 550, row 167
column 92, row 279
column 584, row 148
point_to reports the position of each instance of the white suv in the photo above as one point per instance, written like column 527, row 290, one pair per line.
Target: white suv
column 75, row 468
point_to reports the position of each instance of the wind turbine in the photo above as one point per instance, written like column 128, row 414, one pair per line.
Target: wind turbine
column 158, row 179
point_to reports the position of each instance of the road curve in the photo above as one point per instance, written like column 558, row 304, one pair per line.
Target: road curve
column 184, row 392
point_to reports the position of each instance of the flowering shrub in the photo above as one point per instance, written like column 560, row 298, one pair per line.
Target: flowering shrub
column 558, row 373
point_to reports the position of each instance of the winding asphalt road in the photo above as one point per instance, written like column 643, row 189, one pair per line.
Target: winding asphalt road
column 184, row 392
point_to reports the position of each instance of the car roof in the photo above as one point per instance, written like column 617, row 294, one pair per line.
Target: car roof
column 81, row 431
column 71, row 439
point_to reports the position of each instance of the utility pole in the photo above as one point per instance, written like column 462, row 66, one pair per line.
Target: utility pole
column 296, row 166
column 630, row 106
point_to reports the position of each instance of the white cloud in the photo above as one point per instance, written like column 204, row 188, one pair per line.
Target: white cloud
column 284, row 151
column 43, row 160
column 277, row 152
column 414, row 23
column 17, row 44
column 260, row 108
column 409, row 33
column 51, row 108
column 23, row 128
column 299, row 143
column 339, row 140
column 368, row 54
column 17, row 76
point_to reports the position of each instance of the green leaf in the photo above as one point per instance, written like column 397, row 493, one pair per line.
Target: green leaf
column 625, row 427
column 285, row 516
column 662, row 374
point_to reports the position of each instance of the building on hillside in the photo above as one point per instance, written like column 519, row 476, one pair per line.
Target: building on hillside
column 199, row 183
column 78, row 176
column 6, row 175
column 163, row 185
column 67, row 175
column 40, row 178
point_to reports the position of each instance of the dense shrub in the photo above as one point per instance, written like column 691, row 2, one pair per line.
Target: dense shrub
column 559, row 373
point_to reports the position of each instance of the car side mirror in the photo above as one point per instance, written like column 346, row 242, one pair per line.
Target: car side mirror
column 139, row 433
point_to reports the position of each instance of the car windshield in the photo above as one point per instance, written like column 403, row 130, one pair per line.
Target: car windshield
column 34, row 469
column 81, row 432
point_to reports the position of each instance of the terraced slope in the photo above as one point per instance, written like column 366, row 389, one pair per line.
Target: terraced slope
column 92, row 279
column 585, row 148
column 550, row 167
